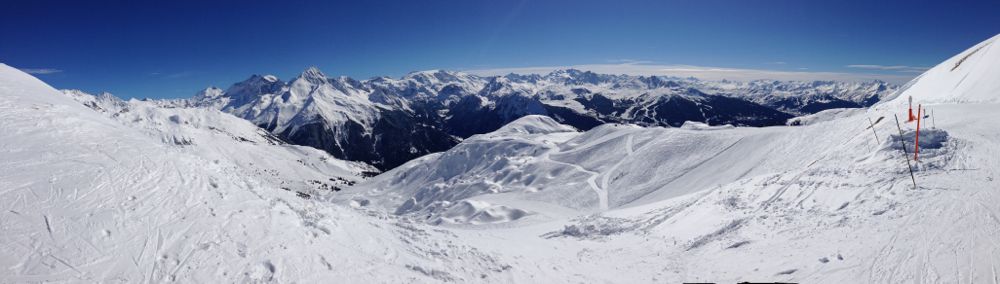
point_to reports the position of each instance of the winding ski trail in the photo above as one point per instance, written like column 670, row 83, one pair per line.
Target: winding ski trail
column 602, row 194
column 606, row 177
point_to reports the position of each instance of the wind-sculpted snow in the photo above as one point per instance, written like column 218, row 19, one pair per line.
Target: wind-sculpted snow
column 478, row 212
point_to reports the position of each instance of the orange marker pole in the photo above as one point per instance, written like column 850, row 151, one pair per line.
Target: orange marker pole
column 916, row 148
column 910, row 117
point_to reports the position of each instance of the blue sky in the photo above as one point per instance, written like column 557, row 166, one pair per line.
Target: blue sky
column 166, row 49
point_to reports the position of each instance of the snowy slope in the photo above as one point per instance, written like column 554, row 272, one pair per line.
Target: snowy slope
column 831, row 201
column 608, row 167
column 213, row 135
column 969, row 76
column 89, row 199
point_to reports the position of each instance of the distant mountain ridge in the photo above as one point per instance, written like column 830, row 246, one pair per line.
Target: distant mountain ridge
column 386, row 122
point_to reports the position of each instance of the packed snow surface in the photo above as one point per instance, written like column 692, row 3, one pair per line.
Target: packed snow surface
column 90, row 197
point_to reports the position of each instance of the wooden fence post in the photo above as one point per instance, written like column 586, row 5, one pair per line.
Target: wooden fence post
column 873, row 130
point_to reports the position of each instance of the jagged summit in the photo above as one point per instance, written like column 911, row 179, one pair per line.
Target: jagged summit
column 496, row 85
column 578, row 77
column 312, row 73
column 259, row 80
column 438, row 77
column 431, row 72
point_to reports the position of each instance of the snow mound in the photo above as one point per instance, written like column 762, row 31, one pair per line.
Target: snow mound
column 594, row 227
column 477, row 213
column 968, row 77
column 929, row 139
column 532, row 124
column 825, row 115
column 694, row 125
column 936, row 147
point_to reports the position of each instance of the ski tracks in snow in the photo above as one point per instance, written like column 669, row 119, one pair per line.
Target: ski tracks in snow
column 605, row 180
column 602, row 195
column 602, row 189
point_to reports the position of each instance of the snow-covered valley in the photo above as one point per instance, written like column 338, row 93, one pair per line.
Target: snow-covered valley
column 96, row 189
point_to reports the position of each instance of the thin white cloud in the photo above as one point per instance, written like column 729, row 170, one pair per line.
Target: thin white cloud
column 40, row 71
column 701, row 72
column 629, row 61
column 899, row 68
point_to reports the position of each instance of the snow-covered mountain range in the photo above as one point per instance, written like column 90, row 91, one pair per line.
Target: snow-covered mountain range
column 97, row 189
column 386, row 122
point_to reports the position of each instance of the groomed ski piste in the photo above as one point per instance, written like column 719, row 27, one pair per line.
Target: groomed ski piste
column 92, row 198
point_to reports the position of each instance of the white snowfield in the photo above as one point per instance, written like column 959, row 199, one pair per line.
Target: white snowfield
column 88, row 198
column 214, row 135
